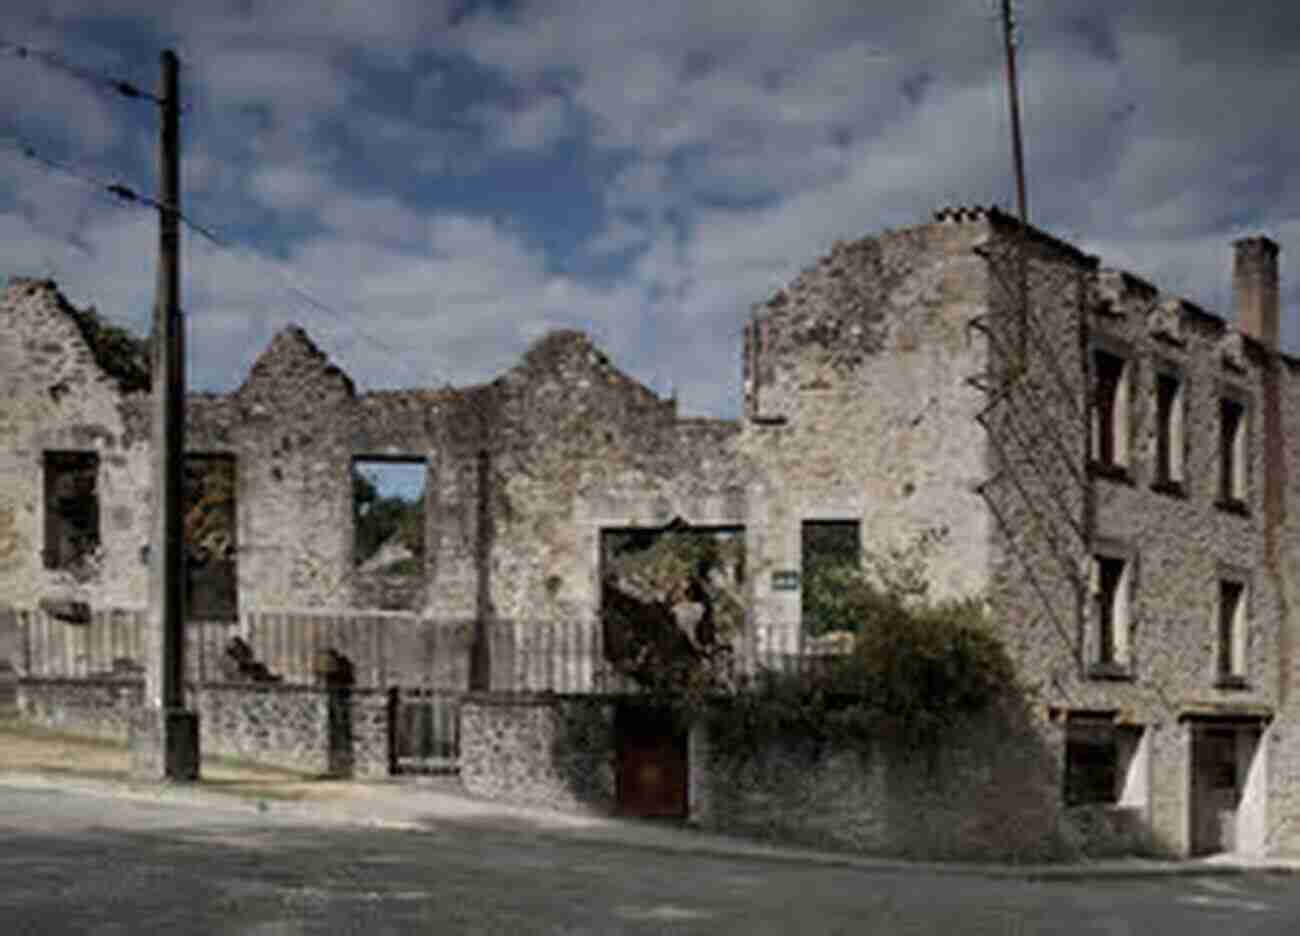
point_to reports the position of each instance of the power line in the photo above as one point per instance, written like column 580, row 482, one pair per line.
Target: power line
column 123, row 192
column 287, row 282
column 59, row 63
column 119, row 190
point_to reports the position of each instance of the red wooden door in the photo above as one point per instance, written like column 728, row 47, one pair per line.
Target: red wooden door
column 651, row 777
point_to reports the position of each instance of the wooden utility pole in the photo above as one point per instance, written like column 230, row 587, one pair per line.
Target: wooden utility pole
column 164, row 738
column 1013, row 96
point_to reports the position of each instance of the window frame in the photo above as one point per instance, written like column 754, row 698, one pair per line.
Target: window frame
column 1232, row 637
column 1110, row 429
column 1110, row 633
column 1233, row 457
column 806, row 527
column 52, row 557
column 421, row 567
column 1169, row 470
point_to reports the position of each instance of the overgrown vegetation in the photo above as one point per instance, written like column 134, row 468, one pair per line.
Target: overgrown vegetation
column 672, row 607
column 123, row 356
column 917, row 667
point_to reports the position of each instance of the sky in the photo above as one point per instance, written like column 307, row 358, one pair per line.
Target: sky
column 428, row 186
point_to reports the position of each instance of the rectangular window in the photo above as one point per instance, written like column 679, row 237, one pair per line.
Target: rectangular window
column 211, row 521
column 1232, row 452
column 1231, row 613
column 828, row 549
column 1105, row 763
column 71, row 509
column 1110, row 410
column 388, row 515
column 1169, row 430
column 1110, row 588
column 1092, row 766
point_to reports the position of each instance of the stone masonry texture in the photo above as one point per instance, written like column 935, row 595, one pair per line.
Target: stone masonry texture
column 932, row 379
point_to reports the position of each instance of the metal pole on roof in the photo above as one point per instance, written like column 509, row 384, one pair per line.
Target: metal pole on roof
column 1013, row 97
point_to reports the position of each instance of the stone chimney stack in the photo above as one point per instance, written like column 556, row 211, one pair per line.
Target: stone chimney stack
column 1254, row 288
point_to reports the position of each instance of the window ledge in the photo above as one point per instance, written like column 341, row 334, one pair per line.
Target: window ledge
column 1234, row 505
column 1170, row 489
column 1112, row 672
column 1231, row 682
column 1110, row 471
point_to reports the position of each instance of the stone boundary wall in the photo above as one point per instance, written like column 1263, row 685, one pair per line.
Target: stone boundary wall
column 987, row 792
column 340, row 732
column 983, row 793
column 539, row 749
column 100, row 708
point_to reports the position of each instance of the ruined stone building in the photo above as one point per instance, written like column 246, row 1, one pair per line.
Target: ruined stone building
column 1109, row 465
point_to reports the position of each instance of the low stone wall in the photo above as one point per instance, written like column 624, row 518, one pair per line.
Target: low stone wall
column 988, row 791
column 342, row 732
column 97, row 707
column 281, row 726
column 542, row 750
column 984, row 792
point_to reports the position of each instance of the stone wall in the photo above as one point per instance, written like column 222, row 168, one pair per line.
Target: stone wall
column 858, row 407
column 60, row 396
column 985, row 792
column 988, row 791
column 553, row 751
column 100, row 708
column 1060, row 510
column 295, row 727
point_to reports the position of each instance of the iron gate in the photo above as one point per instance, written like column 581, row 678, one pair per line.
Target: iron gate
column 426, row 730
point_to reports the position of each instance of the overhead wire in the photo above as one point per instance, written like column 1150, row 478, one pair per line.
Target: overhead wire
column 125, row 193
column 287, row 282
column 88, row 76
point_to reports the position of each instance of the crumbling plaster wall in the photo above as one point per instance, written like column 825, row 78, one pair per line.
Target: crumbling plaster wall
column 858, row 407
column 57, row 397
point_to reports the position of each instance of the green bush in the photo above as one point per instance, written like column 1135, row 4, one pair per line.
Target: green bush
column 914, row 673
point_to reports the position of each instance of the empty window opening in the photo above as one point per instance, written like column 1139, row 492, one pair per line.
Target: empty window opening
column 211, row 540
column 71, row 509
column 1231, row 614
column 830, row 553
column 1110, row 603
column 1110, row 413
column 1169, row 429
column 670, row 595
column 1091, row 762
column 388, row 498
column 1232, row 451
column 1105, row 763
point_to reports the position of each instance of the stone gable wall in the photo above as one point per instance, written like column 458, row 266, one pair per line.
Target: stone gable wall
column 858, row 407
column 57, row 397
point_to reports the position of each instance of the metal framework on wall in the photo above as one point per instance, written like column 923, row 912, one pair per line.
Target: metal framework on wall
column 1028, row 393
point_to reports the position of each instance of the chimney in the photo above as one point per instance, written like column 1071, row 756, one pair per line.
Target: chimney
column 1254, row 288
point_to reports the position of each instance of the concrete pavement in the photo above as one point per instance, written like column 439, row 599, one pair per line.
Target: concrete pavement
column 32, row 758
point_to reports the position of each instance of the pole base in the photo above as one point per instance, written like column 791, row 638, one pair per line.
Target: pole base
column 164, row 744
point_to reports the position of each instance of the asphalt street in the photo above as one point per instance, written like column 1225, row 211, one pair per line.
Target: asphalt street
column 72, row 863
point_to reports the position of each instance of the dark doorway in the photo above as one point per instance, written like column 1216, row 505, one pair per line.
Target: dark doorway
column 1216, row 787
column 652, row 770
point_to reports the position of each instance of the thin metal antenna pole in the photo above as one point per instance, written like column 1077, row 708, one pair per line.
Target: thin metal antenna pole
column 1013, row 98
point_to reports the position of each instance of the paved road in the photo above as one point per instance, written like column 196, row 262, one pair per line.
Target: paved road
column 82, row 864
